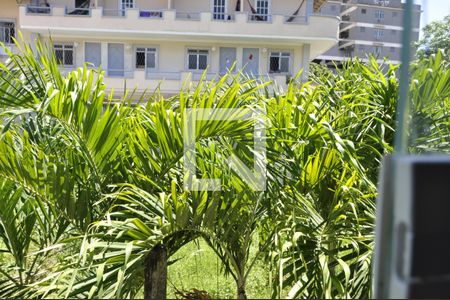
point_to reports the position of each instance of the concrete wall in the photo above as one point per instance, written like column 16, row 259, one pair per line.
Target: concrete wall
column 9, row 10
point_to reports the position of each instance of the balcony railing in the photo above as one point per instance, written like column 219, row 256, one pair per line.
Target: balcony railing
column 161, row 14
column 223, row 17
column 158, row 21
column 39, row 10
column 152, row 14
column 114, row 12
column 188, row 16
column 77, row 11
column 260, row 18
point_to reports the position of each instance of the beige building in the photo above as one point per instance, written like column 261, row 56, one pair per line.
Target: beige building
column 152, row 42
column 369, row 27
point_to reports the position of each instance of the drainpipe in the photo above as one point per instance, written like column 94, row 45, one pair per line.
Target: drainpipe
column 169, row 4
column 242, row 6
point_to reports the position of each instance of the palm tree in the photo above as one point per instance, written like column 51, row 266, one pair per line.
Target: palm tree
column 102, row 181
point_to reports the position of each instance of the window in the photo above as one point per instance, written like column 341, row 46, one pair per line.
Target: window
column 333, row 7
column 262, row 9
column 219, row 9
column 363, row 11
column 379, row 33
column 393, row 32
column 124, row 5
column 64, row 54
column 279, row 62
column 394, row 14
column 127, row 4
column 379, row 14
column 145, row 58
column 197, row 59
column 7, row 32
column 392, row 49
column 362, row 29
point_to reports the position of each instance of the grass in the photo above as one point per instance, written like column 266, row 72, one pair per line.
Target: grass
column 196, row 266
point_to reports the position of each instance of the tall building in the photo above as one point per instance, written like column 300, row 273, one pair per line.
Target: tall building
column 170, row 41
column 368, row 27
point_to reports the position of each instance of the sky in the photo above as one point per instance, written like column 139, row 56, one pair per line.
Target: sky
column 433, row 10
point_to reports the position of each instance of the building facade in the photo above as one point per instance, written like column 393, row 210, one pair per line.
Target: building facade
column 168, row 42
column 369, row 27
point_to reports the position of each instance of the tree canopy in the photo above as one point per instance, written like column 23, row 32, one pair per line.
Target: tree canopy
column 436, row 35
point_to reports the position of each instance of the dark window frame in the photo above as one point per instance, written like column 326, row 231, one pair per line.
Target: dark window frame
column 67, row 54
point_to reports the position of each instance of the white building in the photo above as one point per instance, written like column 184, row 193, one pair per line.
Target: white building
column 151, row 41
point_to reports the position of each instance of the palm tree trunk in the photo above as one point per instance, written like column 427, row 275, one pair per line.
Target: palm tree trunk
column 155, row 274
column 241, row 294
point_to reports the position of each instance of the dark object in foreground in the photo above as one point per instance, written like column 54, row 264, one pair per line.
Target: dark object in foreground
column 412, row 243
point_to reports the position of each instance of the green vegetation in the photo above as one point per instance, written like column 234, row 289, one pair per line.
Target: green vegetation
column 436, row 36
column 89, row 187
column 198, row 267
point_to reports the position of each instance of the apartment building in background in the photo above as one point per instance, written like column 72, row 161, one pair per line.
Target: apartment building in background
column 166, row 42
column 368, row 27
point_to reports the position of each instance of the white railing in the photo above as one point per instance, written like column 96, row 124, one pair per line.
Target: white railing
column 152, row 14
column 169, row 16
column 39, row 10
column 195, row 16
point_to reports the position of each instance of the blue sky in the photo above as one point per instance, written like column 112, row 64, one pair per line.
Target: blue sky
column 433, row 10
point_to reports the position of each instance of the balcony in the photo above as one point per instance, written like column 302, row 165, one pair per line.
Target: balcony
column 38, row 10
column 317, row 30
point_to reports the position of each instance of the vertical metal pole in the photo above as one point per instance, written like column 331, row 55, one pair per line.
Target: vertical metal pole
column 403, row 106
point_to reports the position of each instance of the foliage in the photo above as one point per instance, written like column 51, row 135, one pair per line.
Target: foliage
column 429, row 127
column 90, row 186
column 436, row 36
